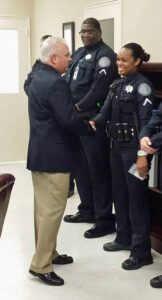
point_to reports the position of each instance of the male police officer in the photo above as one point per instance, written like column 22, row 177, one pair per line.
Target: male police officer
column 92, row 70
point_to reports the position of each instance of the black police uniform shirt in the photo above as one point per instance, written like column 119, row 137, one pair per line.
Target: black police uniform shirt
column 90, row 73
column 153, row 129
column 37, row 65
column 129, row 101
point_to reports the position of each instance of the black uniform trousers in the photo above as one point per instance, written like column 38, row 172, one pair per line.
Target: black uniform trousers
column 72, row 183
column 93, row 179
column 131, row 201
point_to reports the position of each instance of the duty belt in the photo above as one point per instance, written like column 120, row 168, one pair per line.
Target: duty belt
column 123, row 132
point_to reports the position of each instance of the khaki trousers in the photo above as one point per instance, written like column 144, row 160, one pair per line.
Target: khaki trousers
column 50, row 195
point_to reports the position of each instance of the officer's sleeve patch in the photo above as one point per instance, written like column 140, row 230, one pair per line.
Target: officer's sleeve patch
column 147, row 101
column 144, row 89
column 104, row 62
column 103, row 71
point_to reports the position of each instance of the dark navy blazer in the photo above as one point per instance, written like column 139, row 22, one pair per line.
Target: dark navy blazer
column 54, row 124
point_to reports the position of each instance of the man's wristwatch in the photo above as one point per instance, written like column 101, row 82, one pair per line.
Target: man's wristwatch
column 141, row 153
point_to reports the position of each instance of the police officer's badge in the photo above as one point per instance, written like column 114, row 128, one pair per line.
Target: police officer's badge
column 129, row 88
column 88, row 56
column 104, row 62
column 144, row 89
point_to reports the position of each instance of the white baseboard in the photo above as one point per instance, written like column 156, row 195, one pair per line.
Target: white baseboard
column 12, row 162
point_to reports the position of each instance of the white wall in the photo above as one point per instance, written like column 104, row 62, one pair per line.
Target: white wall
column 13, row 114
column 142, row 23
column 50, row 14
column 16, row 7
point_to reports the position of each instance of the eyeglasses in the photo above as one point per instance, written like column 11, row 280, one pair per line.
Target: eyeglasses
column 89, row 32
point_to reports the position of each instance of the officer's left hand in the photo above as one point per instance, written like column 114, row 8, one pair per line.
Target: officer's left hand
column 142, row 165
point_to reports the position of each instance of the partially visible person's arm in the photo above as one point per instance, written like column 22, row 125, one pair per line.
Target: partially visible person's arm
column 31, row 75
column 145, row 97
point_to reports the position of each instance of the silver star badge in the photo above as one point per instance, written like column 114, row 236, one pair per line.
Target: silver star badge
column 88, row 56
column 129, row 88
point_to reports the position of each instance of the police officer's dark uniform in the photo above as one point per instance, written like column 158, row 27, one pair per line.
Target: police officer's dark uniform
column 91, row 72
column 153, row 130
column 35, row 68
column 128, row 108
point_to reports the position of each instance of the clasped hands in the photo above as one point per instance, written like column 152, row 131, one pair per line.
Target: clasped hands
column 92, row 123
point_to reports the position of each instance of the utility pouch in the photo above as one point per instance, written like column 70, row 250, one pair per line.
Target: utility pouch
column 126, row 132
column 123, row 132
column 119, row 132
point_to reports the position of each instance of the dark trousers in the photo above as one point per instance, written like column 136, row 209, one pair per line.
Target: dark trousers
column 71, row 183
column 93, row 179
column 131, row 201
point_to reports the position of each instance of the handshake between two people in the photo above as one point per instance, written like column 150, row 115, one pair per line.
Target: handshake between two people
column 92, row 123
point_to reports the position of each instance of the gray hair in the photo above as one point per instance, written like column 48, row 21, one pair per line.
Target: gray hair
column 49, row 48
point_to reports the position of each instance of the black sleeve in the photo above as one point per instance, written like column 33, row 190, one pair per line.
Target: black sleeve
column 64, row 109
column 156, row 141
column 150, row 130
column 31, row 75
column 103, row 77
column 105, row 113
column 152, row 126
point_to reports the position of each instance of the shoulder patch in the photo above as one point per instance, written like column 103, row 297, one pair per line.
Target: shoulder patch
column 144, row 89
column 104, row 62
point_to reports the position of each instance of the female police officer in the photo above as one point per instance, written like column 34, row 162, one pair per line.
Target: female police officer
column 128, row 107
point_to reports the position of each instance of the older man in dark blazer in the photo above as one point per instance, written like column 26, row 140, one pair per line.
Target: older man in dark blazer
column 53, row 151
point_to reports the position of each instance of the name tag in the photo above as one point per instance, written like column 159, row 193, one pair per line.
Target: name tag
column 75, row 75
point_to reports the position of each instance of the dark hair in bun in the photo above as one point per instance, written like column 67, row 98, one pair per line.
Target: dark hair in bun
column 138, row 52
